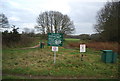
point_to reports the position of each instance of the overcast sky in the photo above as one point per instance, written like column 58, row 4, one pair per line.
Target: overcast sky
column 23, row 13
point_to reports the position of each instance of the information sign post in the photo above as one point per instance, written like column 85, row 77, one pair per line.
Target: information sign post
column 54, row 49
column 82, row 50
column 55, row 40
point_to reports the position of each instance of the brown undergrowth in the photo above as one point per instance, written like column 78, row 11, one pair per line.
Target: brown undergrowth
column 99, row 45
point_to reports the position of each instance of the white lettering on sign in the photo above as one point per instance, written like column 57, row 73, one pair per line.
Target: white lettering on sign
column 57, row 41
column 54, row 48
column 82, row 48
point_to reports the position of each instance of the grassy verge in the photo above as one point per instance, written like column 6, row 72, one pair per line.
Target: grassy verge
column 12, row 77
column 40, row 62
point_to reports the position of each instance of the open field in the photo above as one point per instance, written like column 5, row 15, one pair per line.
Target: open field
column 38, row 63
column 71, row 39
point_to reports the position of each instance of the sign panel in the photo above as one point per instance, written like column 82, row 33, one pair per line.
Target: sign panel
column 55, row 39
column 82, row 48
column 54, row 48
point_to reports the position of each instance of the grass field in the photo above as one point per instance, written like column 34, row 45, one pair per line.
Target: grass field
column 71, row 39
column 38, row 63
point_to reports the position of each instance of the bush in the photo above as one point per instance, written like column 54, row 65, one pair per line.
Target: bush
column 84, row 37
column 9, row 38
column 25, row 41
column 14, row 39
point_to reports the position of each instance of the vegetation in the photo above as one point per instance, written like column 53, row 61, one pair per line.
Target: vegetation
column 93, row 37
column 12, row 37
column 71, row 39
column 4, row 23
column 97, row 45
column 107, row 21
column 12, row 77
column 84, row 37
column 19, row 62
column 48, row 22
column 39, row 62
column 54, row 22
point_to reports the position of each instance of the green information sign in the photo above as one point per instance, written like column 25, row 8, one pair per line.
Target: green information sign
column 55, row 39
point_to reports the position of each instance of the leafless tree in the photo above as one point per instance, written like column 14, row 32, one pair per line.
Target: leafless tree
column 54, row 22
column 3, row 21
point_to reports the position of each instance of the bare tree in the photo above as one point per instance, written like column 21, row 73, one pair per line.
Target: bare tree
column 51, row 16
column 54, row 22
column 4, row 21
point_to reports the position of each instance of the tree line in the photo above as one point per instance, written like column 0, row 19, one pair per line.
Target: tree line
column 107, row 21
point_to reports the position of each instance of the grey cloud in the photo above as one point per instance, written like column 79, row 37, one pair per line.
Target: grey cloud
column 84, row 14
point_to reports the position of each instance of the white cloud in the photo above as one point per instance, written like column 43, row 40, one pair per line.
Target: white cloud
column 14, row 19
column 86, row 28
column 28, row 25
column 57, row 5
column 14, row 4
column 88, row 0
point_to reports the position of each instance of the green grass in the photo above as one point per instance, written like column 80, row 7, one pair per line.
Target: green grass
column 71, row 39
column 12, row 77
column 40, row 62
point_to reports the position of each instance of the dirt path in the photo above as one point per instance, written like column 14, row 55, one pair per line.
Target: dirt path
column 31, row 47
